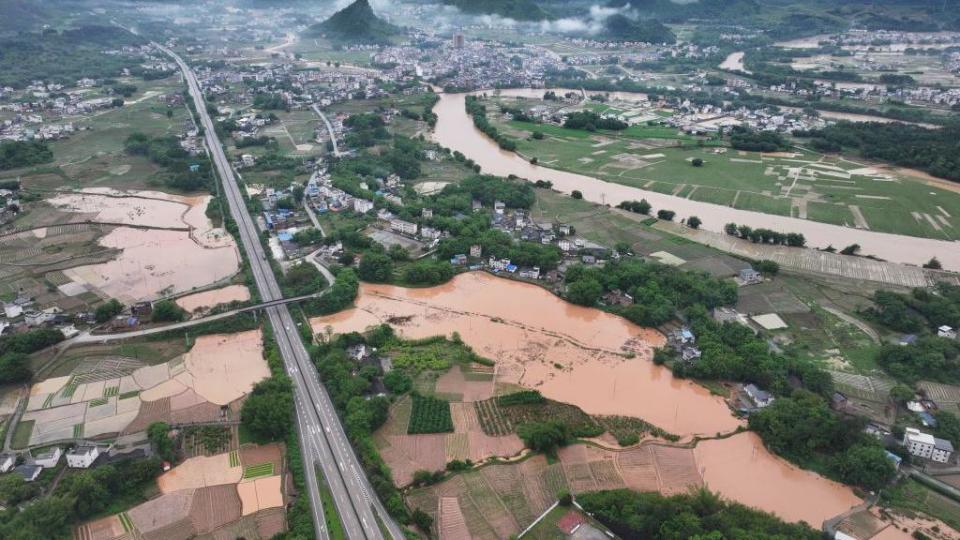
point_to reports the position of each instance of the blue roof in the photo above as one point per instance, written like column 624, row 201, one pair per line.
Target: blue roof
column 511, row 268
column 894, row 458
column 284, row 236
column 927, row 419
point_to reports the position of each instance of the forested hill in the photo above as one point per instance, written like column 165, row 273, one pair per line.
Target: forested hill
column 791, row 18
column 520, row 10
column 356, row 23
column 621, row 28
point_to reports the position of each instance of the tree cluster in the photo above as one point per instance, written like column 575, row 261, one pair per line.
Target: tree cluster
column 16, row 154
column 765, row 236
column 592, row 121
column 699, row 515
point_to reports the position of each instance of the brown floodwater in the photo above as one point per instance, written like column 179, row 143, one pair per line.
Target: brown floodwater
column 741, row 468
column 574, row 355
column 570, row 353
column 455, row 130
column 213, row 297
column 152, row 262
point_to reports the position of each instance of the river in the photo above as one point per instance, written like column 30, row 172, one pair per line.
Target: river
column 456, row 131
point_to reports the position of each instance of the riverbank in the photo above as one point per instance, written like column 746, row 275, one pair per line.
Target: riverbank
column 455, row 131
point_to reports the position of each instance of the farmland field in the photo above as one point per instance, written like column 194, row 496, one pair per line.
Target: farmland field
column 430, row 415
column 799, row 183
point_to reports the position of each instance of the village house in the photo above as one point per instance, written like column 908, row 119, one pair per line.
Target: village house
column 947, row 332
column 927, row 446
column 48, row 458
column 7, row 463
column 749, row 276
column 760, row 398
column 29, row 472
column 403, row 227
column 458, row 260
column 476, row 251
column 81, row 457
column 362, row 206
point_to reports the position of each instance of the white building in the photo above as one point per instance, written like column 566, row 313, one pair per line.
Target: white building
column 403, row 227
column 7, row 462
column 81, row 457
column 947, row 332
column 362, row 206
column 927, row 446
column 48, row 458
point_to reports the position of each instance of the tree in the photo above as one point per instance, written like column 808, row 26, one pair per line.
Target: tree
column 422, row 520
column 14, row 490
column 544, row 437
column 576, row 194
column 167, row 311
column 108, row 310
column 15, row 368
column 564, row 498
column 933, row 264
column 267, row 410
column 768, row 267
column 159, row 435
column 585, row 292
column 852, row 249
column 902, row 393
column 666, row 215
column 696, row 162
column 730, row 228
column 375, row 267
column 538, row 135
column 694, row 222
column 865, row 465
column 397, row 382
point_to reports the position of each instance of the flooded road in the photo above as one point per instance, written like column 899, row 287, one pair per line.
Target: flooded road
column 455, row 130
column 570, row 354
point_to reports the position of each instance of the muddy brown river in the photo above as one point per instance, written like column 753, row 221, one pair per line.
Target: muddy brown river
column 601, row 363
column 455, row 130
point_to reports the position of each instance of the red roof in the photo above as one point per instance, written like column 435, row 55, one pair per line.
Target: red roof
column 570, row 522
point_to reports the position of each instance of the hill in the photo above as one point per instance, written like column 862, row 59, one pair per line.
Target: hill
column 520, row 10
column 356, row 23
column 621, row 28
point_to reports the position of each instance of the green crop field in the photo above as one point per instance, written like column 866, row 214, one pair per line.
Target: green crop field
column 256, row 471
column 798, row 183
column 429, row 415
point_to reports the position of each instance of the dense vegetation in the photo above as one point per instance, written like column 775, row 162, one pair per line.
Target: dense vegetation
column 302, row 279
column 340, row 295
column 619, row 27
column 922, row 309
column 658, row 291
column 929, row 358
column 430, row 415
column 765, row 236
column 181, row 170
column 936, row 151
column 64, row 57
column 267, row 410
column 79, row 496
column 701, row 514
column 478, row 111
column 356, row 23
column 14, row 362
column 16, row 154
column 750, row 140
column 592, row 121
column 803, row 428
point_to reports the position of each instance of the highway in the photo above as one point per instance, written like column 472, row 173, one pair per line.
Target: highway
column 322, row 438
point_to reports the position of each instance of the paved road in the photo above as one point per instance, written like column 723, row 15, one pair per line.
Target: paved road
column 87, row 337
column 323, row 440
column 333, row 136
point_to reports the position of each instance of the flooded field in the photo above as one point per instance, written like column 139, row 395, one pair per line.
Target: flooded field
column 455, row 131
column 169, row 245
column 573, row 354
column 570, row 353
column 214, row 297
column 742, row 469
